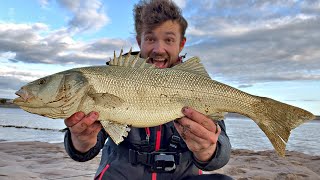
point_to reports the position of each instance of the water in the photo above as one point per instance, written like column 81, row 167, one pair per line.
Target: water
column 18, row 119
column 243, row 132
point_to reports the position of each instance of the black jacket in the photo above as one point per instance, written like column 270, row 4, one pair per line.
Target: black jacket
column 115, row 163
column 115, row 159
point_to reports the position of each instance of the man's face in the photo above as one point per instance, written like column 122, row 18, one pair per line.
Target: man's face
column 162, row 45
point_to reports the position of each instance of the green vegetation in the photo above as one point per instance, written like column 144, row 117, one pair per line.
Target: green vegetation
column 3, row 101
column 7, row 103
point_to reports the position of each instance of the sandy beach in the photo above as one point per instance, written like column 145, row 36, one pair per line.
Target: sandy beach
column 40, row 160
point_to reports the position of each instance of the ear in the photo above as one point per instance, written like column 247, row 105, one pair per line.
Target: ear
column 182, row 43
column 138, row 39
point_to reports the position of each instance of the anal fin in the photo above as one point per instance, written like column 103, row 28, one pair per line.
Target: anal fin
column 116, row 131
column 218, row 116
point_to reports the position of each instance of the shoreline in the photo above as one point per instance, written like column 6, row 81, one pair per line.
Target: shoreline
column 41, row 160
column 9, row 105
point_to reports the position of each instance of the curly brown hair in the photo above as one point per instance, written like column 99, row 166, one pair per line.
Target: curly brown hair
column 149, row 14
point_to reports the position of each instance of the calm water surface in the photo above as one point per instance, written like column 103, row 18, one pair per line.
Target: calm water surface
column 243, row 132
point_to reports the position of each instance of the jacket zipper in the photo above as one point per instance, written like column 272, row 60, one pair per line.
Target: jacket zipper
column 157, row 147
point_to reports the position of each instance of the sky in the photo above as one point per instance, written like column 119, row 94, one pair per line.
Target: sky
column 268, row 48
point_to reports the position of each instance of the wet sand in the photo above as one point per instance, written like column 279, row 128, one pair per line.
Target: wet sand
column 40, row 160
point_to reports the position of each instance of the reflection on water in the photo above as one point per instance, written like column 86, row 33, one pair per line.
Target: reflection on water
column 243, row 132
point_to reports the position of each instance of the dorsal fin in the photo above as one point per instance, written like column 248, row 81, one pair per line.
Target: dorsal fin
column 192, row 65
column 129, row 60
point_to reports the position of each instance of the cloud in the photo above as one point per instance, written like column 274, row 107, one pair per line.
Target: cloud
column 43, row 3
column 36, row 43
column 23, row 75
column 248, row 42
column 10, row 83
column 306, row 100
column 245, row 86
column 181, row 3
column 87, row 15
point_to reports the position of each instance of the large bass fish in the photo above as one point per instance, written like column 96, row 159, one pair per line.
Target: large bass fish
column 131, row 92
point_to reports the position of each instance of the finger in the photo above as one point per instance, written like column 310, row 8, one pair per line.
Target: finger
column 84, row 123
column 199, row 118
column 198, row 130
column 74, row 119
column 91, row 131
column 218, row 129
column 187, row 135
column 193, row 142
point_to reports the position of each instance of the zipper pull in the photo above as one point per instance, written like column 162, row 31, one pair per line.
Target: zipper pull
column 147, row 134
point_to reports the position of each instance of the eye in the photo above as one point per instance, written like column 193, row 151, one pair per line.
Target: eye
column 170, row 40
column 149, row 39
column 41, row 81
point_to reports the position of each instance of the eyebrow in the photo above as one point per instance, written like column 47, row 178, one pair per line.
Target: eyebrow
column 166, row 33
column 170, row 33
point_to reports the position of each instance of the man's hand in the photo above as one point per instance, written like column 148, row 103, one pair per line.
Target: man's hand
column 84, row 130
column 199, row 132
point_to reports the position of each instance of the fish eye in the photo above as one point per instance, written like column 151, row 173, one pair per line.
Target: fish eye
column 41, row 81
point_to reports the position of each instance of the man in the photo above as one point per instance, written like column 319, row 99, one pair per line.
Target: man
column 188, row 145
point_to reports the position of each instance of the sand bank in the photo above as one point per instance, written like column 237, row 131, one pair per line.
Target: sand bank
column 39, row 160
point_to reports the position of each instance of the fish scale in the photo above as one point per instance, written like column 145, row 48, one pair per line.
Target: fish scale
column 131, row 92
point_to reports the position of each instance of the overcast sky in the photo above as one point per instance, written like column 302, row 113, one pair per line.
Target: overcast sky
column 264, row 47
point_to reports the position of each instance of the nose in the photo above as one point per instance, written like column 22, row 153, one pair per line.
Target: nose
column 159, row 48
column 24, row 94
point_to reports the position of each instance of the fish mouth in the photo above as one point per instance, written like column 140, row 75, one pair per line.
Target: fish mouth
column 23, row 98
column 19, row 101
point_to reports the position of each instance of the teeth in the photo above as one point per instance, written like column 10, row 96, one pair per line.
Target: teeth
column 159, row 59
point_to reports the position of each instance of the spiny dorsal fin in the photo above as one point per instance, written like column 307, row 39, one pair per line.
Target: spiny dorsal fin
column 192, row 65
column 129, row 60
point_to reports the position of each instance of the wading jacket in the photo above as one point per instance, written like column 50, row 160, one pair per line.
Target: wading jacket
column 115, row 163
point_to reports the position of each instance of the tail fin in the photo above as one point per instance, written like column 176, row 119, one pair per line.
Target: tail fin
column 277, row 119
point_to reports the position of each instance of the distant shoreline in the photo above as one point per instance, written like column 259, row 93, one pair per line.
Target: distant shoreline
column 235, row 115
column 9, row 106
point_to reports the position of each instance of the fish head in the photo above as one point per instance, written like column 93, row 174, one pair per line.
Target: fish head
column 47, row 94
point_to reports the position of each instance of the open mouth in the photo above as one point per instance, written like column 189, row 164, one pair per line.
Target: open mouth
column 160, row 63
column 19, row 100
column 24, row 96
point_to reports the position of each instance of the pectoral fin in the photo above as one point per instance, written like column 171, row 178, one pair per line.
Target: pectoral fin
column 106, row 100
column 116, row 131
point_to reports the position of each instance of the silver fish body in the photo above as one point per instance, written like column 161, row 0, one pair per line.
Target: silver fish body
column 131, row 92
